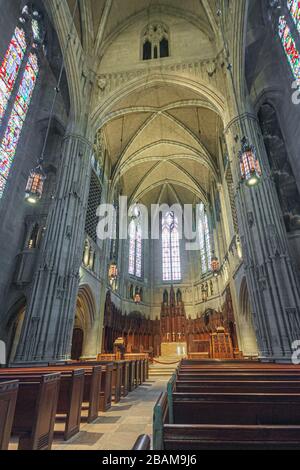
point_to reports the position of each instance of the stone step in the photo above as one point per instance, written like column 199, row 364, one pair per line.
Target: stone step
column 161, row 373
column 165, row 367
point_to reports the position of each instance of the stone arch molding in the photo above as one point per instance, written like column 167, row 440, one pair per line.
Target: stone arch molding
column 61, row 17
column 156, row 12
column 206, row 96
column 245, row 321
column 209, row 93
column 87, row 310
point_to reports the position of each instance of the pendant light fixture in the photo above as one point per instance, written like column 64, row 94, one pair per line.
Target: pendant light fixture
column 215, row 265
column 37, row 176
column 249, row 164
column 35, row 184
column 137, row 297
column 250, row 169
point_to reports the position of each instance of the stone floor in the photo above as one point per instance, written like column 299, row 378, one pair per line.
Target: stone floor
column 119, row 427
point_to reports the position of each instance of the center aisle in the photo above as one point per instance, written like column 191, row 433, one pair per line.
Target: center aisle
column 119, row 427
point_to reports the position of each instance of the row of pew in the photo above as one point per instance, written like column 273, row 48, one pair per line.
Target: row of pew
column 34, row 398
column 228, row 405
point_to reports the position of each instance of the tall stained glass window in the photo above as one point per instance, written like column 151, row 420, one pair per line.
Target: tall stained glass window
column 204, row 240
column 289, row 46
column 10, row 67
column 171, row 263
column 18, row 76
column 135, row 246
column 294, row 7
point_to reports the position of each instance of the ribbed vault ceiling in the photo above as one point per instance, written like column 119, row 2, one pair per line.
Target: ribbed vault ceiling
column 163, row 145
column 102, row 19
column 163, row 140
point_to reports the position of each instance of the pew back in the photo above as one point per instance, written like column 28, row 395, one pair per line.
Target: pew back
column 8, row 400
column 218, row 437
column 35, row 412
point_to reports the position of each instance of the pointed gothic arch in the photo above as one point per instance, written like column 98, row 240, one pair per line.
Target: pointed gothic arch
column 246, row 329
column 84, row 320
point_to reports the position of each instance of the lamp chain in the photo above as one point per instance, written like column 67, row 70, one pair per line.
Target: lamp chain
column 57, row 88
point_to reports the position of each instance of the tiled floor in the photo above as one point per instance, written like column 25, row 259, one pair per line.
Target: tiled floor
column 119, row 427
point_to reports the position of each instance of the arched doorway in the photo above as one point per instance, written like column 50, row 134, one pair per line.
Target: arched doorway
column 77, row 344
column 84, row 320
column 246, row 327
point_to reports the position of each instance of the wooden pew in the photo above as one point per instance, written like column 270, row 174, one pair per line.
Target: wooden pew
column 259, row 369
column 117, row 380
column 214, row 437
column 142, row 366
column 106, row 379
column 125, row 378
column 223, row 376
column 221, row 406
column 160, row 418
column 8, row 400
column 233, row 386
column 70, row 392
column 138, row 368
column 138, row 373
column 35, row 411
column 106, row 387
column 132, row 376
column 92, row 383
column 92, row 391
column 144, row 370
column 213, row 364
column 236, row 408
column 219, row 437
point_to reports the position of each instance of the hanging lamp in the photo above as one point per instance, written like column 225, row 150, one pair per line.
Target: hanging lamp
column 37, row 176
column 113, row 272
column 215, row 265
column 250, row 169
column 249, row 164
column 35, row 185
column 137, row 298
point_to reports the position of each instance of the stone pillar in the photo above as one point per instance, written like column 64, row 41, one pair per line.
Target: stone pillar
column 48, row 325
column 270, row 275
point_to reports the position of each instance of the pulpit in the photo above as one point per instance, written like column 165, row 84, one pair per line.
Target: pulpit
column 119, row 348
column 221, row 344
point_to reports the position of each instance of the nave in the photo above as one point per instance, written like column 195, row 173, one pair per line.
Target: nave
column 120, row 426
column 111, row 311
column 205, row 405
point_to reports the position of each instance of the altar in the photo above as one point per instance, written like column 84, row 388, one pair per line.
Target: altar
column 174, row 349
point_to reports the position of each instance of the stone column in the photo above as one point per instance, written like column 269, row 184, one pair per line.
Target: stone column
column 270, row 275
column 48, row 325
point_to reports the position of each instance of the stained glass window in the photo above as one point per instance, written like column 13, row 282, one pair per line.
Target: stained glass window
column 10, row 67
column 171, row 263
column 114, row 246
column 135, row 247
column 138, row 251
column 289, row 46
column 8, row 145
column 131, row 248
column 294, row 7
column 204, row 240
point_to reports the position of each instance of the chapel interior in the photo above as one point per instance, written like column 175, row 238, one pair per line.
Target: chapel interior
column 130, row 341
